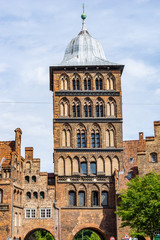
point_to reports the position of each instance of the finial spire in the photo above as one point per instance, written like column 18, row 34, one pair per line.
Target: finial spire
column 83, row 16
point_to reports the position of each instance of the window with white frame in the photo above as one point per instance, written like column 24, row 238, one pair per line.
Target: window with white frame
column 30, row 213
column 45, row 212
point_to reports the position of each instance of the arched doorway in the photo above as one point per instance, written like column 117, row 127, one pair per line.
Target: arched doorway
column 88, row 234
column 39, row 233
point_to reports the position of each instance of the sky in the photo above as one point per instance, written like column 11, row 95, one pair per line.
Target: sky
column 34, row 35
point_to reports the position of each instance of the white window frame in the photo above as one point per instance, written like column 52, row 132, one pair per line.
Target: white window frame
column 45, row 212
column 32, row 211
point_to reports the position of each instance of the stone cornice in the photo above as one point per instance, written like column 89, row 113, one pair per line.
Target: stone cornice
column 88, row 149
column 87, row 93
column 87, row 119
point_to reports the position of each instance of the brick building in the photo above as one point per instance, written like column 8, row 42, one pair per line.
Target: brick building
column 91, row 162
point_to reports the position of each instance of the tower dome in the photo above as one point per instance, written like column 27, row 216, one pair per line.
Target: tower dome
column 84, row 50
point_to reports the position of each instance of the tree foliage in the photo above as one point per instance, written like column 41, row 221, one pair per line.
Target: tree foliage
column 87, row 234
column 140, row 205
column 41, row 235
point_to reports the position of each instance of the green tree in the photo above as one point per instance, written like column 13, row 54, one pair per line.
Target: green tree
column 140, row 205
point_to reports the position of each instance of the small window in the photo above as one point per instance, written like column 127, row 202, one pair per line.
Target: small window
column 45, row 212
column 34, row 179
column 104, row 198
column 72, row 198
column 35, row 195
column 41, row 195
column 1, row 196
column 26, row 179
column 129, row 176
column 94, row 198
column 30, row 213
column 93, row 168
column 84, row 168
column 28, row 195
column 154, row 157
column 131, row 160
column 81, row 195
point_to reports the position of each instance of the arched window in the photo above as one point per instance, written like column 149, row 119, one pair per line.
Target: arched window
column 66, row 136
column 64, row 107
column 34, row 179
column 99, row 82
column 111, row 108
column 35, row 195
column 110, row 137
column 76, row 108
column 64, row 82
column 72, row 198
column 19, row 219
column 154, row 157
column 100, row 165
column 115, row 164
column 95, row 136
column 76, row 82
column 75, row 165
column 81, row 196
column 28, row 195
column 99, row 108
column 1, row 196
column 26, row 179
column 81, row 139
column 87, row 108
column 104, row 198
column 41, row 195
column 94, row 198
column 28, row 165
column 110, row 81
column 87, row 82
column 93, row 168
column 61, row 166
column 15, row 219
column 84, row 168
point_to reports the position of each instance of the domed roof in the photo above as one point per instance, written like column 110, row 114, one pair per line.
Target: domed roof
column 84, row 50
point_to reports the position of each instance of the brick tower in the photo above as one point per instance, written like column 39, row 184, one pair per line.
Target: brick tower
column 87, row 130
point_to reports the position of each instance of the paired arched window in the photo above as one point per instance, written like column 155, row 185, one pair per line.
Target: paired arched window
column 35, row 195
column 72, row 198
column 87, row 82
column 81, row 196
column 64, row 108
column 41, row 195
column 28, row 195
column 66, row 137
column 34, row 179
column 95, row 137
column 110, row 81
column 110, row 137
column 1, row 196
column 76, row 108
column 26, row 179
column 64, row 82
column 99, row 108
column 81, row 139
column 99, row 82
column 111, row 108
column 87, row 108
column 76, row 82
